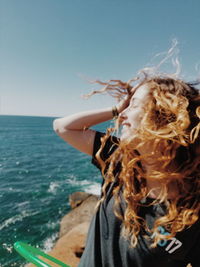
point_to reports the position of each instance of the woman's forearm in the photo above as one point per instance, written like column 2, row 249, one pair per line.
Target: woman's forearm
column 83, row 120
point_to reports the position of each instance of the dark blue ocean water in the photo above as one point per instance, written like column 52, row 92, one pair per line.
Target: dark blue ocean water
column 38, row 171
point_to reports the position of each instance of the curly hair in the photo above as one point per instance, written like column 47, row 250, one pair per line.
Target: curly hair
column 171, row 121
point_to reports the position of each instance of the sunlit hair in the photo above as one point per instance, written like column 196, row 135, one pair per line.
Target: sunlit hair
column 170, row 124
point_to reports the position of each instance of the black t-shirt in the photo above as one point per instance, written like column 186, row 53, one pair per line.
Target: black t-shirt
column 106, row 247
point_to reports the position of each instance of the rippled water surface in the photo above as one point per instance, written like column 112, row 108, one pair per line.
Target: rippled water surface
column 38, row 171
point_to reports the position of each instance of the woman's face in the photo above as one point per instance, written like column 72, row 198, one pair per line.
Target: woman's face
column 131, row 116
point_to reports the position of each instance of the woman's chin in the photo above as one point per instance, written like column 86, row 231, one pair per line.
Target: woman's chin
column 124, row 136
column 127, row 134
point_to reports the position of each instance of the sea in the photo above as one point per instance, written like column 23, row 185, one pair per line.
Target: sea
column 38, row 172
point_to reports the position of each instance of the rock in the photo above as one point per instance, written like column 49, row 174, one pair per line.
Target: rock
column 77, row 198
column 82, row 213
column 72, row 244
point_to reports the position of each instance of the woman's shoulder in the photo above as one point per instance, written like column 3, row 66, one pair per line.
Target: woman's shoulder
column 105, row 145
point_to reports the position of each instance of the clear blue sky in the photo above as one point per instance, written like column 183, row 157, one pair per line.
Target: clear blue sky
column 47, row 45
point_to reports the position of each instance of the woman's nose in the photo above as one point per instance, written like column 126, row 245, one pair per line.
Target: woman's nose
column 122, row 116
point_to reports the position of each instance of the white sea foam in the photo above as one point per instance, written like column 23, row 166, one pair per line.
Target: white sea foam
column 94, row 188
column 49, row 242
column 22, row 204
column 14, row 190
column 16, row 264
column 52, row 225
column 7, row 247
column 16, row 218
column 86, row 185
column 53, row 187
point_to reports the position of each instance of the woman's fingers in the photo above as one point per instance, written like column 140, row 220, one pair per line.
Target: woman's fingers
column 123, row 104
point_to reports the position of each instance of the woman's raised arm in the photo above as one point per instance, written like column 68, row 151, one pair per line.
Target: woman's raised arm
column 74, row 129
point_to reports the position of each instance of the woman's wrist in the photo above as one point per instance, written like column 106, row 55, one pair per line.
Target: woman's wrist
column 115, row 112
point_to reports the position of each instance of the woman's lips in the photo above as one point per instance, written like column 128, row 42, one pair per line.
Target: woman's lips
column 126, row 124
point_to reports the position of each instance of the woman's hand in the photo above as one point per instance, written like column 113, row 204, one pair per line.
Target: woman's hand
column 123, row 104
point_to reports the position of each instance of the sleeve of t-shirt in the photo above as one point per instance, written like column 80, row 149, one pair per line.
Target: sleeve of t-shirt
column 109, row 147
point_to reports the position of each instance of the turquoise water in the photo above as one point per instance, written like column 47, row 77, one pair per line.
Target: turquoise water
column 38, row 171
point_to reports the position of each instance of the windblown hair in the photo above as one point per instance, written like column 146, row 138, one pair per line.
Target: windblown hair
column 171, row 121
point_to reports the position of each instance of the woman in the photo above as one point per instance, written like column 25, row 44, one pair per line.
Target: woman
column 148, row 214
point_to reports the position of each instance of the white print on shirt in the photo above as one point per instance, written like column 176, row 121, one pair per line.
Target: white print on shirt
column 170, row 245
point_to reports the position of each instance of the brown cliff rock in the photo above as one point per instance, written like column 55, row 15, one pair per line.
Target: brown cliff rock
column 77, row 198
column 82, row 213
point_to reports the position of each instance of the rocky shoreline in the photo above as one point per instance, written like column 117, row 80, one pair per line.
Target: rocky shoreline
column 73, row 229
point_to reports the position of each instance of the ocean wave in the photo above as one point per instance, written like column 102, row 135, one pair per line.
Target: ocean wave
column 53, row 187
column 52, row 225
column 49, row 242
column 94, row 188
column 14, row 264
column 22, row 204
column 7, row 247
column 16, row 218
column 85, row 185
